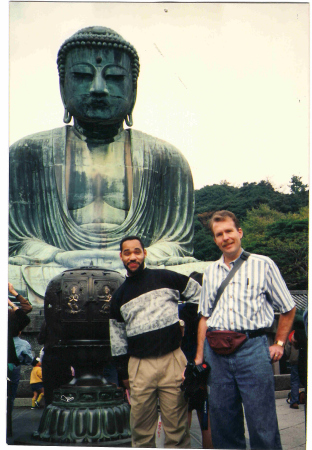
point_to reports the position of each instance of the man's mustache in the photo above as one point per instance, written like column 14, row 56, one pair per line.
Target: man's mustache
column 227, row 243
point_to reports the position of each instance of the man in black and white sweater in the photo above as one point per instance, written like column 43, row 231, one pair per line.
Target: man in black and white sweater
column 145, row 342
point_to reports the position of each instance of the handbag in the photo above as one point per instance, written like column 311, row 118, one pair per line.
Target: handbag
column 225, row 342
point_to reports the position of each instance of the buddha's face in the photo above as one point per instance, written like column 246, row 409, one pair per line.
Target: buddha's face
column 98, row 85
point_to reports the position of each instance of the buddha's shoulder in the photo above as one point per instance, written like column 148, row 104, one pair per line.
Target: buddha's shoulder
column 39, row 139
column 155, row 143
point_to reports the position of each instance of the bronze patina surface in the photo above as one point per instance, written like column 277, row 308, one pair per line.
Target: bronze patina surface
column 76, row 191
column 88, row 410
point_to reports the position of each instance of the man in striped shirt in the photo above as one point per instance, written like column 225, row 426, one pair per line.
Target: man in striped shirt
column 245, row 377
column 145, row 330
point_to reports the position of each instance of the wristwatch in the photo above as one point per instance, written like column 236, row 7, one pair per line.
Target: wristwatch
column 280, row 343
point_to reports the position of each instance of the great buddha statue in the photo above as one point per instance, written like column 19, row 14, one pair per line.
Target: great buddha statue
column 76, row 191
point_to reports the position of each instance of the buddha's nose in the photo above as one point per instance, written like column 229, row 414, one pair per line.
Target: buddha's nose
column 99, row 85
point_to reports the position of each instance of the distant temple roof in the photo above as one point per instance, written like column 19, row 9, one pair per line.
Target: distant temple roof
column 300, row 298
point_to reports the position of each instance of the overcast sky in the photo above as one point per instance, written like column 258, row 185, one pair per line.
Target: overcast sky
column 227, row 84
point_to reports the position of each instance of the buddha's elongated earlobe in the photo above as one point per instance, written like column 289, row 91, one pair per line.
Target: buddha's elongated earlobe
column 67, row 116
column 129, row 120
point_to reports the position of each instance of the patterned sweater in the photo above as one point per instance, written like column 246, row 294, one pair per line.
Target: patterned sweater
column 144, row 319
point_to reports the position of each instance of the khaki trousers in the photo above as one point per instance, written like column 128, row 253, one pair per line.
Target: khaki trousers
column 152, row 379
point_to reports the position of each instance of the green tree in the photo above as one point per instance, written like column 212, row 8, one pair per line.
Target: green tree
column 299, row 194
column 282, row 237
column 204, row 247
column 296, row 185
column 241, row 199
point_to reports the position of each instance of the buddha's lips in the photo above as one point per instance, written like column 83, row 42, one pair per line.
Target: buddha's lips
column 97, row 102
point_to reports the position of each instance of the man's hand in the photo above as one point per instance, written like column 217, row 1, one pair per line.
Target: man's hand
column 196, row 362
column 12, row 290
column 199, row 360
column 276, row 352
column 11, row 305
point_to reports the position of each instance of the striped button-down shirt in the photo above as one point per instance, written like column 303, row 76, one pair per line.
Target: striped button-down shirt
column 249, row 300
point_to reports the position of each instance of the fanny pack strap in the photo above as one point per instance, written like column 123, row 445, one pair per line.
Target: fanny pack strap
column 243, row 257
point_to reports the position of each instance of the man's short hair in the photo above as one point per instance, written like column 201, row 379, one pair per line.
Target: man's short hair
column 131, row 238
column 220, row 216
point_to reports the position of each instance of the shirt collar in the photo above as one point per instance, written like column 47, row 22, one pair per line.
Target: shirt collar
column 222, row 263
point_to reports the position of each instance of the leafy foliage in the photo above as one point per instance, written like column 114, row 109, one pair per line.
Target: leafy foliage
column 282, row 237
column 250, row 195
column 274, row 224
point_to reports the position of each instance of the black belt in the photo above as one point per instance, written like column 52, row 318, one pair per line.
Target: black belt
column 250, row 333
column 254, row 333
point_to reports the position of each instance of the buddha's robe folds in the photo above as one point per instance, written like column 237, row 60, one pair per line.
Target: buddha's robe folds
column 40, row 224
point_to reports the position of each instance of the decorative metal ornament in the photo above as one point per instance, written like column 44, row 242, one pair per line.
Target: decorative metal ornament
column 89, row 410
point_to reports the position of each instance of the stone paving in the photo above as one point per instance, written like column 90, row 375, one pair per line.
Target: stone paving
column 291, row 424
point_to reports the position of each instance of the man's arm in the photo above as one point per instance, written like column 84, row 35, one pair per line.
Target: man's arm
column 192, row 290
column 284, row 327
column 201, row 336
column 118, row 342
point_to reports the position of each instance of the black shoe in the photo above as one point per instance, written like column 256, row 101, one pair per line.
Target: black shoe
column 294, row 406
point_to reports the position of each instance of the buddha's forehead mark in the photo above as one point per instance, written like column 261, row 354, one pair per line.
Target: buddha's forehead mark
column 97, row 57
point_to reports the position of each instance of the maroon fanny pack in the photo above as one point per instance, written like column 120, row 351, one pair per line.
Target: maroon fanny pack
column 225, row 342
